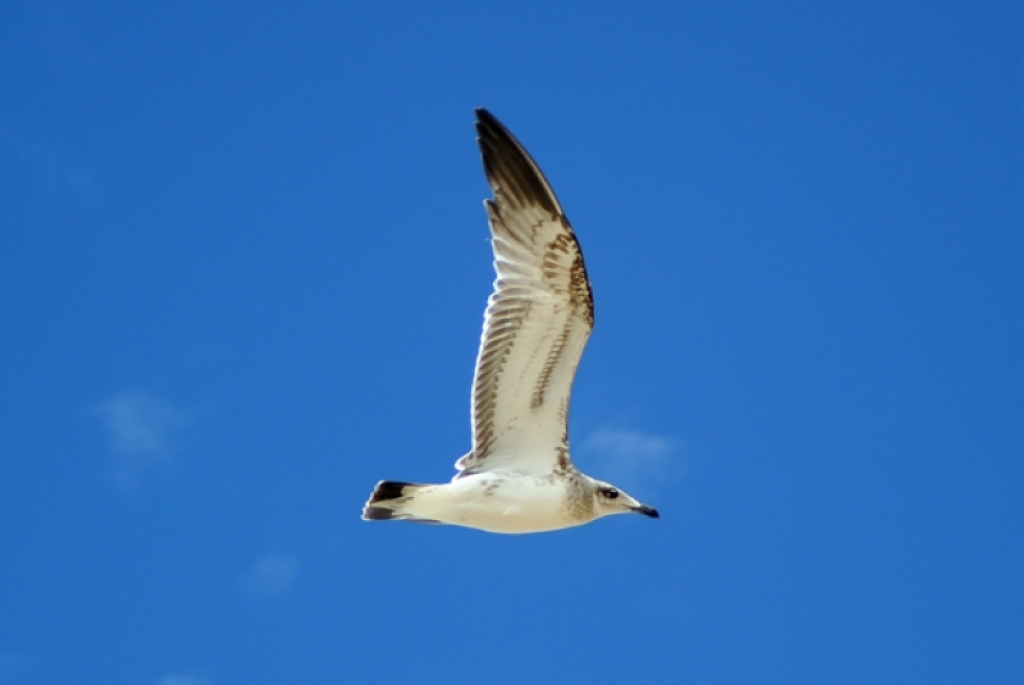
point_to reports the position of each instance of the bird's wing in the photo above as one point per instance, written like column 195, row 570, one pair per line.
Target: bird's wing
column 537, row 320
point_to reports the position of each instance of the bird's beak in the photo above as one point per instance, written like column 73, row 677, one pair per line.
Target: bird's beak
column 645, row 510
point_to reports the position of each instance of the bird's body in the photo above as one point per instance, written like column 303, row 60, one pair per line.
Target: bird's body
column 499, row 502
column 519, row 478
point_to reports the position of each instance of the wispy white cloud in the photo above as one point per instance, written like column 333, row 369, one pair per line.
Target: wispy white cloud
column 175, row 679
column 629, row 458
column 272, row 576
column 143, row 430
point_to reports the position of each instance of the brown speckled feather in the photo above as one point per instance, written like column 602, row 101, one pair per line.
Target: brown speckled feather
column 537, row 321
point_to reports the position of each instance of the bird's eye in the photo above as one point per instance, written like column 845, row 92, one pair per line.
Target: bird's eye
column 610, row 493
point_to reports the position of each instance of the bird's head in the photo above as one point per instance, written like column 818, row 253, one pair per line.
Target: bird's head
column 609, row 500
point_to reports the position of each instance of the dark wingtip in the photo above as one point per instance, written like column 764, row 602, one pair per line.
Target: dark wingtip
column 486, row 122
column 509, row 166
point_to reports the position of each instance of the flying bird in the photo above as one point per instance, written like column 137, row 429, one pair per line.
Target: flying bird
column 518, row 478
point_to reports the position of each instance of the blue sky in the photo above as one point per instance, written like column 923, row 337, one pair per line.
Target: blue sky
column 243, row 265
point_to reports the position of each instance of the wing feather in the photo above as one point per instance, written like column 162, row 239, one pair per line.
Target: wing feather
column 537, row 320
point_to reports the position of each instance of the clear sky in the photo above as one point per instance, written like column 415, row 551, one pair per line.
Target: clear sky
column 243, row 266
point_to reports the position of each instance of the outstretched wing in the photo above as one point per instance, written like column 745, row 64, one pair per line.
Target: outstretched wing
column 537, row 321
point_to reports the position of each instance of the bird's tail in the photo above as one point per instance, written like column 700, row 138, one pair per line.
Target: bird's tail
column 388, row 502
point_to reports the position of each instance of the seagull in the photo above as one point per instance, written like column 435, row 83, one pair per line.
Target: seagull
column 518, row 478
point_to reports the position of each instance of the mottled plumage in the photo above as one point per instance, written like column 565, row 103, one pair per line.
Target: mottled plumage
column 519, row 477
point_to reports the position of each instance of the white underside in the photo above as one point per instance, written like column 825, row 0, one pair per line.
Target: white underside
column 495, row 501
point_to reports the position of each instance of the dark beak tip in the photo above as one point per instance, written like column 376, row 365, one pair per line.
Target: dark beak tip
column 650, row 512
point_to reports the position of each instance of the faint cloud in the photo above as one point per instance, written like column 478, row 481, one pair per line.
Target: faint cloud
column 629, row 458
column 271, row 577
column 143, row 430
column 183, row 680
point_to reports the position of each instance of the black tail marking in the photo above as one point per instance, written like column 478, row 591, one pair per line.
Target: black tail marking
column 387, row 490
column 377, row 514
